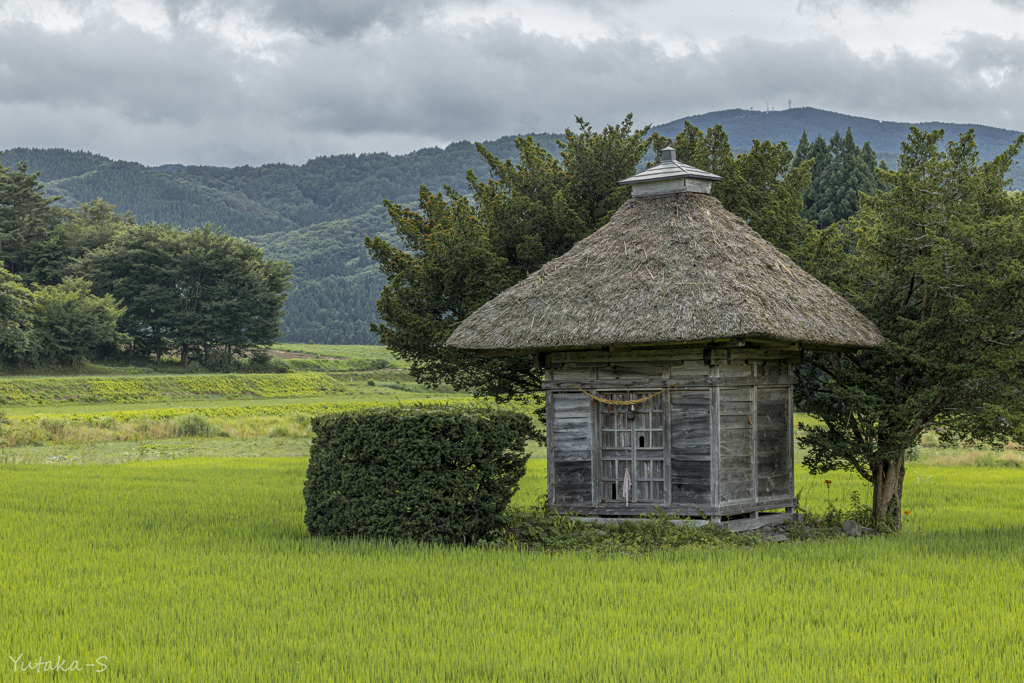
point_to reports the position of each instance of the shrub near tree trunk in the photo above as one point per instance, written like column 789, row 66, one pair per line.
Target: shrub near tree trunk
column 431, row 473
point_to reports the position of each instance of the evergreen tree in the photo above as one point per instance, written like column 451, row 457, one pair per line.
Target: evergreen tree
column 82, row 229
column 764, row 186
column 841, row 172
column 459, row 254
column 26, row 217
column 937, row 262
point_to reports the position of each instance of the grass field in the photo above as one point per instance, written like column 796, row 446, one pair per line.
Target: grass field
column 185, row 558
column 344, row 352
column 91, row 409
column 200, row 569
column 325, row 358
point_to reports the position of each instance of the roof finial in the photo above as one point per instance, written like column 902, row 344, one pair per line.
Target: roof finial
column 670, row 177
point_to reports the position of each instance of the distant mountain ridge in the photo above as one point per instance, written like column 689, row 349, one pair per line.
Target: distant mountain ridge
column 744, row 125
column 257, row 200
column 316, row 214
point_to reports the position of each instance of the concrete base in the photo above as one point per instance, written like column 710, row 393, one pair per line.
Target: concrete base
column 758, row 520
column 754, row 521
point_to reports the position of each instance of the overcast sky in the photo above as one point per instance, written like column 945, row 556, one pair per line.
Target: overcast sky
column 229, row 82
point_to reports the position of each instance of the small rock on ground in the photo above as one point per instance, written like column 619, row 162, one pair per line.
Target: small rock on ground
column 852, row 528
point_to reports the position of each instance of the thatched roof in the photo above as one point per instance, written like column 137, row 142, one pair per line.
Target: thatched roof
column 666, row 269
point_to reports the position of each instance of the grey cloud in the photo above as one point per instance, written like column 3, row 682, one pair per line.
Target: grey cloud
column 901, row 86
column 119, row 67
column 117, row 91
column 833, row 6
column 332, row 19
column 316, row 19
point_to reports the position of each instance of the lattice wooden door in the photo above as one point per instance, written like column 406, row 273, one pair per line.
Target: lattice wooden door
column 633, row 439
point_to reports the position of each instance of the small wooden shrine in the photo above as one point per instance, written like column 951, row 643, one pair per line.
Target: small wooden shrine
column 668, row 339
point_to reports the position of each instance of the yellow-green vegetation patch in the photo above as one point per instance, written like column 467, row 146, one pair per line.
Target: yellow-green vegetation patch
column 214, row 411
column 280, row 417
column 324, row 365
column 101, row 453
column 344, row 352
column 139, row 563
column 148, row 389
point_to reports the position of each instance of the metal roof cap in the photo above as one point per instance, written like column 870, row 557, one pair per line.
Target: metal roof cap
column 670, row 177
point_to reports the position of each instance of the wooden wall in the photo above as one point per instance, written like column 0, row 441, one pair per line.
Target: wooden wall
column 690, row 441
column 774, row 443
column 735, row 471
column 730, row 423
column 570, row 449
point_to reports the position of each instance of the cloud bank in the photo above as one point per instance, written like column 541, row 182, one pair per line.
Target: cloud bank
column 228, row 83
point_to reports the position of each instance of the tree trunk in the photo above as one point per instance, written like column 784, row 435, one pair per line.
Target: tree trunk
column 887, row 480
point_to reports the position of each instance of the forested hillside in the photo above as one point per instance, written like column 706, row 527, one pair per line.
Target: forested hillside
column 744, row 125
column 316, row 215
column 788, row 125
column 258, row 200
column 335, row 285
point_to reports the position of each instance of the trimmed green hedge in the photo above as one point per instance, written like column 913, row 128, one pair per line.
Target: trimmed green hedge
column 429, row 473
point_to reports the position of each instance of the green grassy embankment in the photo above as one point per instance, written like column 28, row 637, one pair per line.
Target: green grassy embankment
column 65, row 410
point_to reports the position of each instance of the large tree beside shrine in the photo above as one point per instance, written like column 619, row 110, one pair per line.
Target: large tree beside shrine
column 461, row 253
column 937, row 263
column 763, row 185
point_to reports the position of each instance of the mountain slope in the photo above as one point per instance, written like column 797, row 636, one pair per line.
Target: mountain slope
column 332, row 274
column 743, row 125
column 316, row 215
column 259, row 200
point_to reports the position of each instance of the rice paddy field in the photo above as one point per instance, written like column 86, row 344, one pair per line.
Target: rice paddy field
column 186, row 559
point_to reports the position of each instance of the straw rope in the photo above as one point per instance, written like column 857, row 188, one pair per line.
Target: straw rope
column 622, row 403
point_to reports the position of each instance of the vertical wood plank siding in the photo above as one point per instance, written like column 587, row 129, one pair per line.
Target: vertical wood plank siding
column 774, row 466
column 571, row 447
column 691, row 447
column 736, row 447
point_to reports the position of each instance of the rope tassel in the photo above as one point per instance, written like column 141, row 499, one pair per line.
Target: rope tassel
column 625, row 487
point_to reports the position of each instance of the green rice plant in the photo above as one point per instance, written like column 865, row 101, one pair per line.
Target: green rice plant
column 398, row 387
column 119, row 452
column 344, row 352
column 158, row 388
column 189, row 569
column 220, row 410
